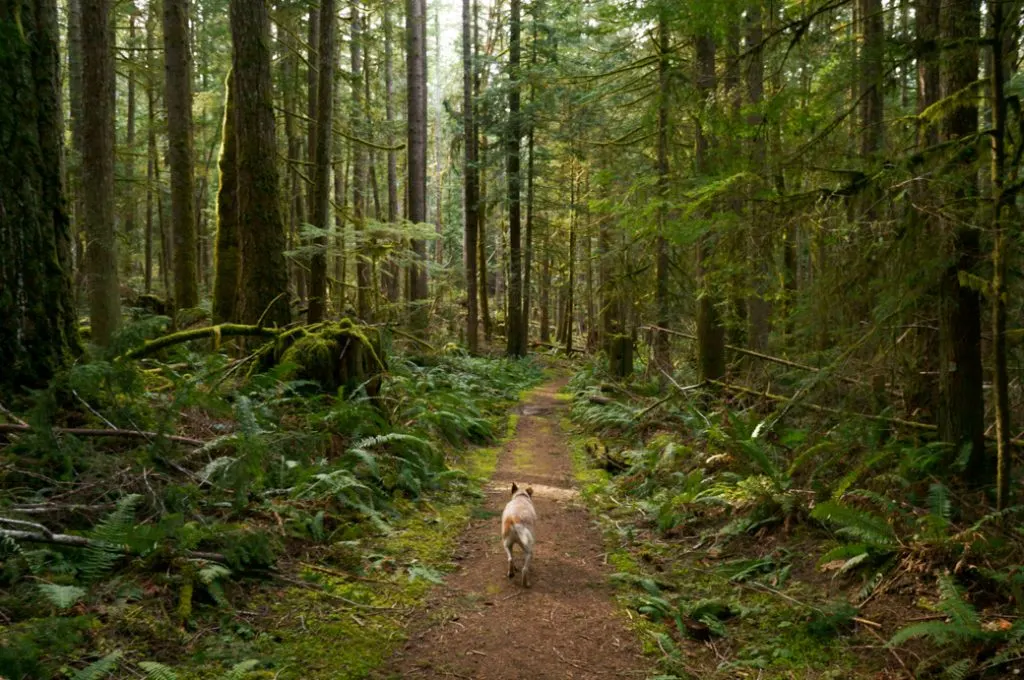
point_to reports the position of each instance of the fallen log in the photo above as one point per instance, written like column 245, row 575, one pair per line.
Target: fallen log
column 48, row 537
column 104, row 432
column 223, row 330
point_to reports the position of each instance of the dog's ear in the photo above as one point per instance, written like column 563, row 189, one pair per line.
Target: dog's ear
column 529, row 491
column 515, row 487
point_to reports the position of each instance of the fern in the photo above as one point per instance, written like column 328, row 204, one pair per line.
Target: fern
column 938, row 502
column 98, row 669
column 110, row 537
column 157, row 671
column 62, row 597
column 859, row 525
column 240, row 670
column 952, row 604
column 959, row 670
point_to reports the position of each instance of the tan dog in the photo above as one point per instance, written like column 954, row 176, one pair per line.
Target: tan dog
column 517, row 523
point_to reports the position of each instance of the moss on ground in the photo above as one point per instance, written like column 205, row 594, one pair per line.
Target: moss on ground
column 324, row 624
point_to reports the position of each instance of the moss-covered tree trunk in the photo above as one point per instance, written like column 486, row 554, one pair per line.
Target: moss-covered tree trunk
column 227, row 258
column 178, row 97
column 39, row 331
column 98, row 168
column 660, row 341
column 264, row 270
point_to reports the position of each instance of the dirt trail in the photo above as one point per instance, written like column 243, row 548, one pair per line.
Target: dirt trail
column 483, row 626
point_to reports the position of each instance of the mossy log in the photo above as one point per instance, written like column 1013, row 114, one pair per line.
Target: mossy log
column 339, row 355
column 220, row 331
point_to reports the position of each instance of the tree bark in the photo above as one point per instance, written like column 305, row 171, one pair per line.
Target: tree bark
column 759, row 307
column 151, row 154
column 662, row 357
column 364, row 284
column 961, row 418
column 321, row 138
column 416, row 74
column 392, row 278
column 227, row 256
column 129, row 156
column 98, row 169
column 470, row 181
column 516, row 338
column 710, row 333
column 39, row 334
column 1000, row 375
column 178, row 97
column 264, row 270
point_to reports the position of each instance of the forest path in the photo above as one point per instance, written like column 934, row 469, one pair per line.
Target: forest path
column 481, row 625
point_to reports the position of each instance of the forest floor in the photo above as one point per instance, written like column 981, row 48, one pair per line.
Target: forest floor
column 482, row 625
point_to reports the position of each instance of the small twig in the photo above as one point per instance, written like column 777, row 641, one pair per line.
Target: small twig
column 93, row 411
column 94, row 432
column 892, row 651
column 9, row 414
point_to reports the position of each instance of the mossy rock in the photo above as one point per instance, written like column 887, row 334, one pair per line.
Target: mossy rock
column 338, row 355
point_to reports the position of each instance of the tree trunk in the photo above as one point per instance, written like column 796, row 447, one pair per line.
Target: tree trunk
column 39, row 333
column 571, row 283
column 320, row 138
column 264, row 270
column 129, row 235
column 74, row 156
column 416, row 74
column 1000, row 376
column 98, row 168
column 516, row 338
column 759, row 306
column 178, row 97
column 393, row 272
column 872, row 76
column 545, row 293
column 961, row 419
column 662, row 357
column 470, row 182
column 710, row 333
column 152, row 171
column 530, row 144
column 227, row 258
column 364, row 286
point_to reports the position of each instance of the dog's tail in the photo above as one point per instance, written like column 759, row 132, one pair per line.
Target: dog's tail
column 524, row 536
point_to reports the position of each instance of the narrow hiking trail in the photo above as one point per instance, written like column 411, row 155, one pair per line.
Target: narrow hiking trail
column 481, row 625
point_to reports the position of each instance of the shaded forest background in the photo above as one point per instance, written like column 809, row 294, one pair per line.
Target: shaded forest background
column 804, row 211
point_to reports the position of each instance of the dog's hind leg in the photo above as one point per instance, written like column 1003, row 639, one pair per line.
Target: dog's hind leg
column 507, row 543
column 526, row 568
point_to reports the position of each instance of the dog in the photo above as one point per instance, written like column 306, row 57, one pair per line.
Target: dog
column 517, row 522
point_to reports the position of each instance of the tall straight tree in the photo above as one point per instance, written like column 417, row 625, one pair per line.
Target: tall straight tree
column 416, row 74
column 516, row 339
column 710, row 332
column 40, row 330
column 227, row 255
column 98, row 168
column 962, row 405
column 364, row 283
column 321, row 137
column 392, row 285
column 264, row 270
column 178, row 96
column 662, row 358
column 470, row 189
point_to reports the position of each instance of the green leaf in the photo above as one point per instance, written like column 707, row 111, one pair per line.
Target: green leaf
column 100, row 668
column 62, row 597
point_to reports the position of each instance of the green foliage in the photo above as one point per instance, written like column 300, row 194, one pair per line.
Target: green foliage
column 62, row 597
column 860, row 525
column 100, row 668
column 110, row 538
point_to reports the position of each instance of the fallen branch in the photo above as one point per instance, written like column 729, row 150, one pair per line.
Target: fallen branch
column 102, row 432
column 824, row 409
column 220, row 331
column 47, row 508
column 548, row 345
column 47, row 536
column 757, row 355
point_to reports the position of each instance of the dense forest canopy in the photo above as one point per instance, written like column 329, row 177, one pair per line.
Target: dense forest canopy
column 692, row 193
